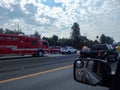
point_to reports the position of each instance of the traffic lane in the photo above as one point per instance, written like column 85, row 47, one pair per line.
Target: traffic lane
column 35, row 69
column 55, row 80
column 50, row 64
column 16, row 64
column 9, row 58
column 6, row 57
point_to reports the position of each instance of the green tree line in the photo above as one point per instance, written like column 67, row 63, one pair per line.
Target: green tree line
column 8, row 31
column 77, row 40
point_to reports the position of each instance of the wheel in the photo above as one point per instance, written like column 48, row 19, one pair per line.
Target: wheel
column 69, row 52
column 40, row 53
column 75, row 52
column 62, row 52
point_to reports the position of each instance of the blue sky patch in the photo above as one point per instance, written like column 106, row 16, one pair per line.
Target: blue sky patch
column 51, row 3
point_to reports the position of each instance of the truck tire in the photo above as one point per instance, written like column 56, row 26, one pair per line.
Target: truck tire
column 62, row 52
column 40, row 53
column 75, row 51
column 68, row 52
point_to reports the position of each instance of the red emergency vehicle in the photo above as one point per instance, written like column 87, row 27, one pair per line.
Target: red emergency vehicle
column 44, row 45
column 55, row 49
column 21, row 44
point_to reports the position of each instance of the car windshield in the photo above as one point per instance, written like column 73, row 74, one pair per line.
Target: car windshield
column 40, row 40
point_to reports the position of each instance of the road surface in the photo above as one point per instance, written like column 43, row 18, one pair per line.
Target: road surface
column 47, row 73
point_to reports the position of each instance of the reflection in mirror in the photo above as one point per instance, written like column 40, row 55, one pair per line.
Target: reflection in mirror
column 89, row 71
column 79, row 64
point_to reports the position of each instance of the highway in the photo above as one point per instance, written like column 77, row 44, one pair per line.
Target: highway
column 41, row 73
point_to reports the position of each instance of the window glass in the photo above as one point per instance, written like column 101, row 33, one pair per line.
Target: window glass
column 15, row 38
column 34, row 42
column 1, row 37
column 8, row 38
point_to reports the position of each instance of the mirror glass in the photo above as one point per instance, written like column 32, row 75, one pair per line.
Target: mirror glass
column 89, row 71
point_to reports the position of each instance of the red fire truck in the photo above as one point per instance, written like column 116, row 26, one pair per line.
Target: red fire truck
column 21, row 44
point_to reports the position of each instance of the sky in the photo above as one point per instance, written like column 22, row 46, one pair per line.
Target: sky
column 49, row 17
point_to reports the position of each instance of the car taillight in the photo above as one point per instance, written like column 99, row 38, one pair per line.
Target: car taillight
column 99, row 53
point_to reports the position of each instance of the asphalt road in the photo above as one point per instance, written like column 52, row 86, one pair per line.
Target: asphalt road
column 47, row 73
column 17, row 63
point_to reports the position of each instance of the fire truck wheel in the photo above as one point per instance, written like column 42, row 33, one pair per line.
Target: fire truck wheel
column 40, row 53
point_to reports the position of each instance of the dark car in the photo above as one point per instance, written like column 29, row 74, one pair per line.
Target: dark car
column 100, row 51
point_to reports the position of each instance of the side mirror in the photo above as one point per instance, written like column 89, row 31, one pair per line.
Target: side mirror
column 91, row 71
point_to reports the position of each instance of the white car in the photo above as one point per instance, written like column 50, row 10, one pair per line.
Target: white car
column 68, row 50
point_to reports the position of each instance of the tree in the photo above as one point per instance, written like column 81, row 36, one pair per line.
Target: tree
column 106, row 39
column 45, row 38
column 96, row 42
column 65, row 42
column 1, row 31
column 85, row 41
column 8, row 31
column 110, row 40
column 55, row 39
column 36, row 34
column 75, row 35
column 17, row 32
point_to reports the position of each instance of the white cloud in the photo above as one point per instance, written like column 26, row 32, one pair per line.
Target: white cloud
column 13, row 24
column 94, row 16
column 0, row 16
column 42, row 9
column 7, row 4
column 42, row 20
column 23, row 3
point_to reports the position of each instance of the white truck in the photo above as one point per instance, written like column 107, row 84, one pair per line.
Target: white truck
column 68, row 50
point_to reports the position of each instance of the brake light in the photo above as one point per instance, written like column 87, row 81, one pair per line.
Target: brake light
column 99, row 53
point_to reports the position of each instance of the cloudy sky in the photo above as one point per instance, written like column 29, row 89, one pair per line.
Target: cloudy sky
column 49, row 17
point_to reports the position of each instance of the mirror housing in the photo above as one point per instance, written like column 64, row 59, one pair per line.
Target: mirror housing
column 91, row 71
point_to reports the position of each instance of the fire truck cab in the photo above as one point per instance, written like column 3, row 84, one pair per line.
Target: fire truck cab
column 15, row 44
column 44, row 45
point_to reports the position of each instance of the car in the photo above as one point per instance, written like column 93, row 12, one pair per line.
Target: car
column 68, row 50
column 101, row 51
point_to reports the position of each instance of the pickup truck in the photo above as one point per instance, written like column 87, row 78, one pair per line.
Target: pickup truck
column 100, row 51
column 68, row 50
column 55, row 49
